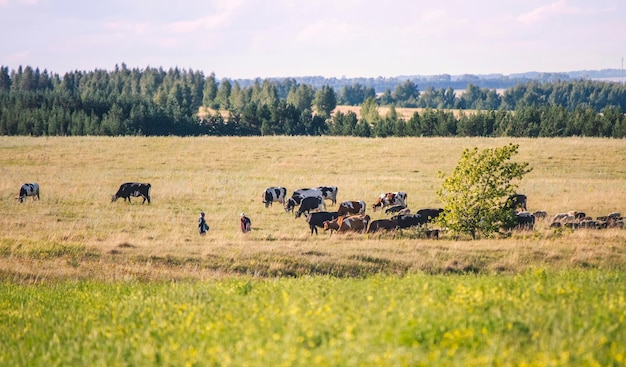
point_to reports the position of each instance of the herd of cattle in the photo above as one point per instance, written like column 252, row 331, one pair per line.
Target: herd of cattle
column 351, row 217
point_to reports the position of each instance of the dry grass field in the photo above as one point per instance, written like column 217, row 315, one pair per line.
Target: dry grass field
column 76, row 232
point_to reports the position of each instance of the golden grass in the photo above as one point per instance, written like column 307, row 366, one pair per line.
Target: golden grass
column 75, row 230
column 404, row 112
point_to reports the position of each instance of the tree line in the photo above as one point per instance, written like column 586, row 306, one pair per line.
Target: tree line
column 181, row 102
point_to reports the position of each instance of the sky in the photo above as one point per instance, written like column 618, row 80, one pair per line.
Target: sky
column 330, row 38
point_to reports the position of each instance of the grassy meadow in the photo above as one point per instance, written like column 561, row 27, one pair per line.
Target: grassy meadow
column 87, row 281
column 76, row 232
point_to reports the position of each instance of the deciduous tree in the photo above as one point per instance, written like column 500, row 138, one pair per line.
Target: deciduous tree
column 475, row 194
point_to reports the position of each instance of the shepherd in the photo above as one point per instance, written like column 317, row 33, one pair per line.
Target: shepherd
column 245, row 223
column 203, row 227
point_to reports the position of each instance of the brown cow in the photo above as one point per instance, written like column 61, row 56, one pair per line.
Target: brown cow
column 355, row 223
column 352, row 207
column 390, row 198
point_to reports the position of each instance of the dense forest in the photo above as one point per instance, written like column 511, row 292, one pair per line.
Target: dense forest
column 154, row 101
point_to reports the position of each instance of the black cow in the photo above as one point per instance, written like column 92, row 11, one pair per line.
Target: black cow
column 430, row 214
column 273, row 194
column 525, row 221
column 29, row 189
column 517, row 201
column 310, row 203
column 298, row 195
column 317, row 219
column 409, row 220
column 135, row 189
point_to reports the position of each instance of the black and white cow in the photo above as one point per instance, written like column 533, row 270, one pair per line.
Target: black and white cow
column 310, row 203
column 29, row 189
column 298, row 195
column 390, row 198
column 317, row 219
column 329, row 193
column 135, row 189
column 274, row 194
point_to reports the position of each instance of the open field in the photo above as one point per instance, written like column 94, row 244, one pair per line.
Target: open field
column 571, row 318
column 84, row 281
column 75, row 232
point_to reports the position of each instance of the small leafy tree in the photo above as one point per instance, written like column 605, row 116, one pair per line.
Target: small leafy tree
column 475, row 195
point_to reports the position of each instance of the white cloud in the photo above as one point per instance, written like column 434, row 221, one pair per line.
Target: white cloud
column 541, row 13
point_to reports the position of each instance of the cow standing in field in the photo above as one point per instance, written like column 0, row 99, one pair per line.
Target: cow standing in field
column 317, row 219
column 383, row 224
column 135, row 189
column 310, row 203
column 430, row 214
column 329, row 193
column 390, row 198
column 298, row 195
column 29, row 189
column 274, row 194
column 352, row 207
column 517, row 201
column 355, row 223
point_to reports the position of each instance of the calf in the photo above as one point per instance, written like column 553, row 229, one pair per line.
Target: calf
column 382, row 224
column 274, row 194
column 29, row 189
column 135, row 189
column 352, row 207
column 317, row 219
column 389, row 198
column 310, row 203
column 329, row 193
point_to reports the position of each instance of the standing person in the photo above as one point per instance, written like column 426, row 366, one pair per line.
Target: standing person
column 202, row 226
column 245, row 223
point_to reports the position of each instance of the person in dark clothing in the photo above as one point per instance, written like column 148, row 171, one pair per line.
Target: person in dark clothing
column 245, row 223
column 203, row 227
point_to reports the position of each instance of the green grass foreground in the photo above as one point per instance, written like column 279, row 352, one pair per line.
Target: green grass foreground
column 535, row 318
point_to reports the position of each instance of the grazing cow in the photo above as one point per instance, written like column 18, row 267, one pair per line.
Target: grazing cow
column 525, row 220
column 317, row 219
column 298, row 195
column 517, row 201
column 568, row 217
column 540, row 214
column 355, row 223
column 407, row 221
column 394, row 209
column 274, row 194
column 352, row 207
column 310, row 203
column 430, row 214
column 29, row 189
column 135, row 189
column 382, row 224
column 390, row 198
column 329, row 193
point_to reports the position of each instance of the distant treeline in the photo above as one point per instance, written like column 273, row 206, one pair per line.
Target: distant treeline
column 153, row 101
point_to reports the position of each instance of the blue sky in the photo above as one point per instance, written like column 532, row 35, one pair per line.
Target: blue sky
column 330, row 38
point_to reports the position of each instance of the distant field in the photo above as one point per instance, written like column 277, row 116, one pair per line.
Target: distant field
column 404, row 112
column 76, row 232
